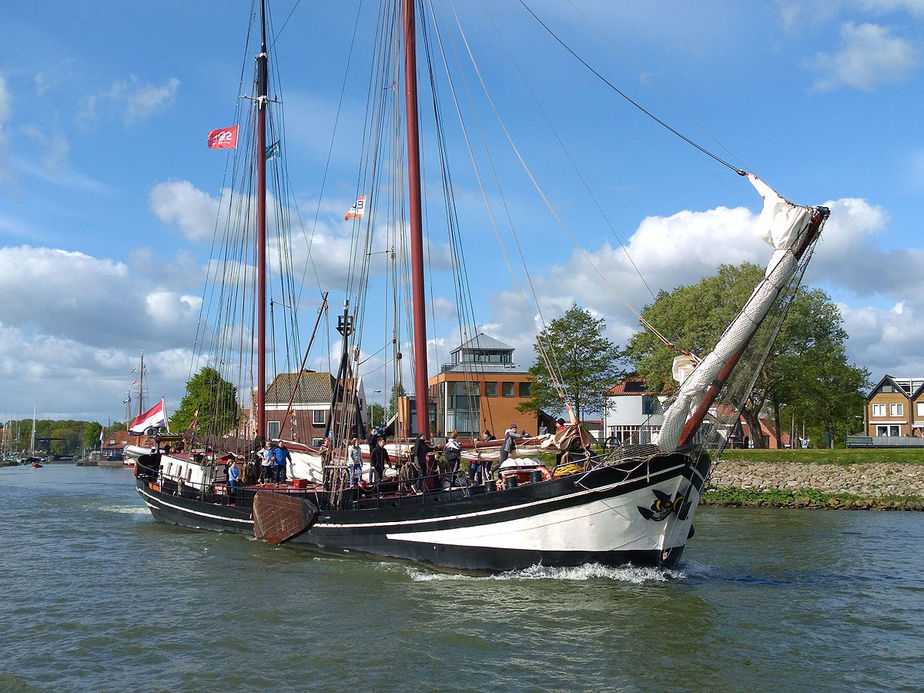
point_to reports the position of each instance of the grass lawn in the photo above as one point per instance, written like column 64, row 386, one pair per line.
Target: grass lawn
column 841, row 456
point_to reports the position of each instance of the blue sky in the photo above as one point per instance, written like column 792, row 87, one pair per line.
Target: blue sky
column 108, row 193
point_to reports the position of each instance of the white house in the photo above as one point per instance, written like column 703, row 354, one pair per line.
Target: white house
column 633, row 413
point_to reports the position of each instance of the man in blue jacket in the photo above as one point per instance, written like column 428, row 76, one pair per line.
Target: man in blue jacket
column 281, row 456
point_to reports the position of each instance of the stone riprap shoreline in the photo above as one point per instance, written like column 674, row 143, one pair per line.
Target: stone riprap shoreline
column 874, row 486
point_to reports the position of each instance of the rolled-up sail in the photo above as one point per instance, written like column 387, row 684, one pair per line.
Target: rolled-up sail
column 790, row 229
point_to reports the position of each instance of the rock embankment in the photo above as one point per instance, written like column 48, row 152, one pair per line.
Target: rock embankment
column 863, row 485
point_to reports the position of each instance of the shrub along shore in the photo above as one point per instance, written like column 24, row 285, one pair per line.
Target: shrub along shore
column 843, row 479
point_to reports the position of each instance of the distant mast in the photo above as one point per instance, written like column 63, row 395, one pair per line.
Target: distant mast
column 417, row 265
column 260, row 146
column 141, row 386
column 32, row 439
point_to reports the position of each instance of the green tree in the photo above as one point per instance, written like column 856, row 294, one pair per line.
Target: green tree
column 397, row 392
column 215, row 400
column 809, row 377
column 586, row 364
column 806, row 368
column 91, row 436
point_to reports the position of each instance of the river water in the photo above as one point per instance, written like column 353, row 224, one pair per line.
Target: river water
column 96, row 596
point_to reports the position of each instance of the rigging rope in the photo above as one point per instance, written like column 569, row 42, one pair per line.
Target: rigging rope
column 625, row 96
column 545, row 199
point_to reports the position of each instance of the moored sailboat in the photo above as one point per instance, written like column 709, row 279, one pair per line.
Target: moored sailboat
column 635, row 504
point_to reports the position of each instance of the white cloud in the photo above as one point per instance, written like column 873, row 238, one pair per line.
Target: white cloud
column 885, row 341
column 135, row 100
column 56, row 148
column 869, row 56
column 165, row 306
column 140, row 100
column 443, row 308
column 181, row 203
column 685, row 247
column 72, row 326
column 881, row 6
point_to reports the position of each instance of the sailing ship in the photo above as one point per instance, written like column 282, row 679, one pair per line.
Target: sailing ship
column 632, row 504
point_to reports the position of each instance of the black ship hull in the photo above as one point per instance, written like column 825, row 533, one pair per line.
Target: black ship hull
column 639, row 513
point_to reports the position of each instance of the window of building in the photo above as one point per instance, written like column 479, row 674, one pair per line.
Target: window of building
column 525, row 389
column 507, row 389
column 272, row 429
column 490, row 389
column 896, row 409
column 920, row 406
column 317, row 442
column 885, row 388
column 879, row 410
column 318, row 417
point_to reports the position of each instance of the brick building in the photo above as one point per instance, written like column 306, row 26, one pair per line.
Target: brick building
column 895, row 407
column 481, row 388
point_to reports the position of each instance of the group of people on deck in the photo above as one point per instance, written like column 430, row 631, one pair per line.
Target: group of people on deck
column 273, row 461
column 424, row 464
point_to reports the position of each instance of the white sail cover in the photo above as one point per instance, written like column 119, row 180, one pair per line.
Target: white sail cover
column 782, row 225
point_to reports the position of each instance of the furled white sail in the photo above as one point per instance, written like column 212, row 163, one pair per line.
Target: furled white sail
column 782, row 225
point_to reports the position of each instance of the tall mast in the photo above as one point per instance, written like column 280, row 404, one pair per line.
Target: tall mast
column 417, row 265
column 262, row 103
column 141, row 386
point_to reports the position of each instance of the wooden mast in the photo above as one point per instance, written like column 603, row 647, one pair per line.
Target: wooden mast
column 417, row 265
column 260, row 146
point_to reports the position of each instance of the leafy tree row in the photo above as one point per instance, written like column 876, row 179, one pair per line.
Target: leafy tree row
column 807, row 378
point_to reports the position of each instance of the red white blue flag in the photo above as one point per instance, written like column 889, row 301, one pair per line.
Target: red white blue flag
column 155, row 417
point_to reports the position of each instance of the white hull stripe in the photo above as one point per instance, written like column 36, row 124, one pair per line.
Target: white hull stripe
column 190, row 511
column 595, row 526
column 486, row 513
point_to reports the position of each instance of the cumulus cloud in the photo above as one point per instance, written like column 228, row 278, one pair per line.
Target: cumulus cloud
column 181, row 203
column 72, row 326
column 886, row 340
column 683, row 248
column 140, row 100
column 66, row 378
column 91, row 300
column 443, row 308
column 869, row 56
column 851, row 240
column 135, row 99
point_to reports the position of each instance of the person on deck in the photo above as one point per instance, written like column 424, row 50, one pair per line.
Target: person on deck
column 355, row 467
column 266, row 463
column 372, row 438
column 378, row 462
column 453, row 452
column 510, row 437
column 280, row 458
column 420, row 457
column 234, row 480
